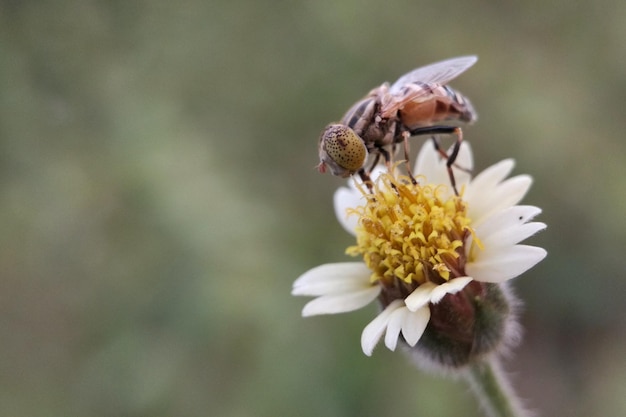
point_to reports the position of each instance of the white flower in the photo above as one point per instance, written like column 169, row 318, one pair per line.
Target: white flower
column 421, row 242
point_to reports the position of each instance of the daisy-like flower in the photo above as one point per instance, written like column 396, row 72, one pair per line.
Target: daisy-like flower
column 434, row 260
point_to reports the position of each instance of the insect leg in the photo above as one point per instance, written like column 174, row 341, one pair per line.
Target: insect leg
column 405, row 141
column 365, row 175
column 452, row 158
column 438, row 149
column 386, row 156
column 450, row 130
column 445, row 156
column 367, row 180
column 376, row 159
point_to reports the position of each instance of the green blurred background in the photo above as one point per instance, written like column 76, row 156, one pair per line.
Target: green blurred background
column 158, row 198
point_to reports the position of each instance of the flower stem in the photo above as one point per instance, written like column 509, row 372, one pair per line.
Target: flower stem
column 493, row 389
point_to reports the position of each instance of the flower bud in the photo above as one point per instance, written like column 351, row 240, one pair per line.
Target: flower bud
column 466, row 326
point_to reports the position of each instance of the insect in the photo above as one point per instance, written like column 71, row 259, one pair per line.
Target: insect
column 418, row 103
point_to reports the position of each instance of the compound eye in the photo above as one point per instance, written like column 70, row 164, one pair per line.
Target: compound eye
column 342, row 150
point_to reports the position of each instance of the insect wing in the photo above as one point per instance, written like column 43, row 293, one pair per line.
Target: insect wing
column 421, row 81
column 438, row 73
column 390, row 104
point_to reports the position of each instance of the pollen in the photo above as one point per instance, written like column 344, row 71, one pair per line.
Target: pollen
column 409, row 234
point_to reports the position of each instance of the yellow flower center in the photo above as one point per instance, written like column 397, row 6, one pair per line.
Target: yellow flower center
column 409, row 234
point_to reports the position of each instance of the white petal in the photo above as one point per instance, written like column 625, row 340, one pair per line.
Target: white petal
column 331, row 287
column 432, row 166
column 375, row 329
column 493, row 175
column 411, row 324
column 341, row 273
column 513, row 190
column 350, row 198
column 451, row 287
column 415, row 323
column 420, row 296
column 377, row 171
column 483, row 204
column 394, row 326
column 509, row 226
column 433, row 293
column 428, row 154
column 502, row 264
column 428, row 162
column 341, row 303
column 512, row 235
column 505, row 218
column 344, row 199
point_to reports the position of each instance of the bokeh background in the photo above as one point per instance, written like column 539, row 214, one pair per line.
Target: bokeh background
column 158, row 197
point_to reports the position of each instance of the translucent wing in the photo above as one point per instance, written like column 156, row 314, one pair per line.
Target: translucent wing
column 420, row 82
column 439, row 73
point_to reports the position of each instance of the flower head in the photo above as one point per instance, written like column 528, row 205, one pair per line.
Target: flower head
column 434, row 260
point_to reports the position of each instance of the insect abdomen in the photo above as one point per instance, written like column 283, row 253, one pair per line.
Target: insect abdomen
column 445, row 106
column 462, row 105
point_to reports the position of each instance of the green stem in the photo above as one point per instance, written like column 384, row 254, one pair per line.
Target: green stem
column 493, row 389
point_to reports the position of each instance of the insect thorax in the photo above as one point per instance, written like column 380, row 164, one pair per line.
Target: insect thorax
column 364, row 119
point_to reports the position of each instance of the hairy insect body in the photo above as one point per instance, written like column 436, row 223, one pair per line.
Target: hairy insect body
column 418, row 103
column 443, row 105
column 362, row 118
